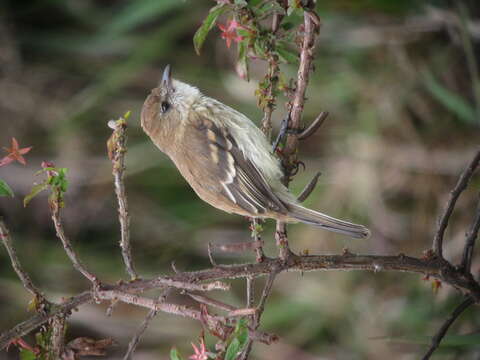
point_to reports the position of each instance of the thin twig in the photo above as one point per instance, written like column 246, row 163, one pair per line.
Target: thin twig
column 202, row 299
column 148, row 303
column 132, row 346
column 67, row 245
column 22, row 274
column 461, row 185
column 260, row 308
column 437, row 338
column 117, row 150
column 314, row 126
column 309, row 188
column 470, row 239
column 188, row 285
column 434, row 267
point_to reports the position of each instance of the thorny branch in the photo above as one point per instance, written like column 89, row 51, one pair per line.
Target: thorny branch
column 67, row 245
column 132, row 346
column 258, row 314
column 22, row 274
column 436, row 268
column 452, row 200
column 117, row 149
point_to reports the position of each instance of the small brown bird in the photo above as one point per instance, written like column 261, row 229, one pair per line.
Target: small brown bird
column 224, row 157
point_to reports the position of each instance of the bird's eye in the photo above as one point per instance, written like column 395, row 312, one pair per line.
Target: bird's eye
column 164, row 106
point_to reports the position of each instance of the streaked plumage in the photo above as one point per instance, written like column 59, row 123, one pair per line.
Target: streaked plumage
column 225, row 157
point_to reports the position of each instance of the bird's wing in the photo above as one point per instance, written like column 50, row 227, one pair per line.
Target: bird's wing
column 225, row 169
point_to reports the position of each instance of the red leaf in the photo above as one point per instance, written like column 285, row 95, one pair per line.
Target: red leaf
column 15, row 153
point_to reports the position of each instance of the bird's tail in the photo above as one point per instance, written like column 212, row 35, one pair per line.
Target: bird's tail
column 326, row 222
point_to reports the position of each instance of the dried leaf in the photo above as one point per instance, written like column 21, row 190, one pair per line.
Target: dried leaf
column 84, row 346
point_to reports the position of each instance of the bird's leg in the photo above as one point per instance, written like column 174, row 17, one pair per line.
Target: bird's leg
column 284, row 130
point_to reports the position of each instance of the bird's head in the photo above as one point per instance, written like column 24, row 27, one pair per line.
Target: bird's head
column 168, row 105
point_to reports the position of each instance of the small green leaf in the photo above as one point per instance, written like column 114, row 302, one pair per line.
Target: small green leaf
column 287, row 55
column 232, row 350
column 293, row 19
column 207, row 25
column 26, row 354
column 260, row 47
column 175, row 355
column 36, row 189
column 241, row 330
column 268, row 8
column 5, row 190
column 453, row 102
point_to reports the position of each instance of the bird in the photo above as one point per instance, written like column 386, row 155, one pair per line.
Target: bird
column 225, row 157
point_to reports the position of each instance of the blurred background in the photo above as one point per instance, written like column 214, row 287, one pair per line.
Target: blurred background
column 397, row 78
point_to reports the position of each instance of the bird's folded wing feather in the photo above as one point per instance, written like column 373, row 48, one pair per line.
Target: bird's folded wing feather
column 224, row 168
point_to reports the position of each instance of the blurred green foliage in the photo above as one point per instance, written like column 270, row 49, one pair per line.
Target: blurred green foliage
column 397, row 81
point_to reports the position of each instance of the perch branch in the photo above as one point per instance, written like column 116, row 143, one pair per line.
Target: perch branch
column 461, row 185
column 436, row 268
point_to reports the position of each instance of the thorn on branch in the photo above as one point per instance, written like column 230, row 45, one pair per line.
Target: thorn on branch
column 314, row 126
column 210, row 255
column 309, row 188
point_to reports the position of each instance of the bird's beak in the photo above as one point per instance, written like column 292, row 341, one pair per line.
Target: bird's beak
column 167, row 78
